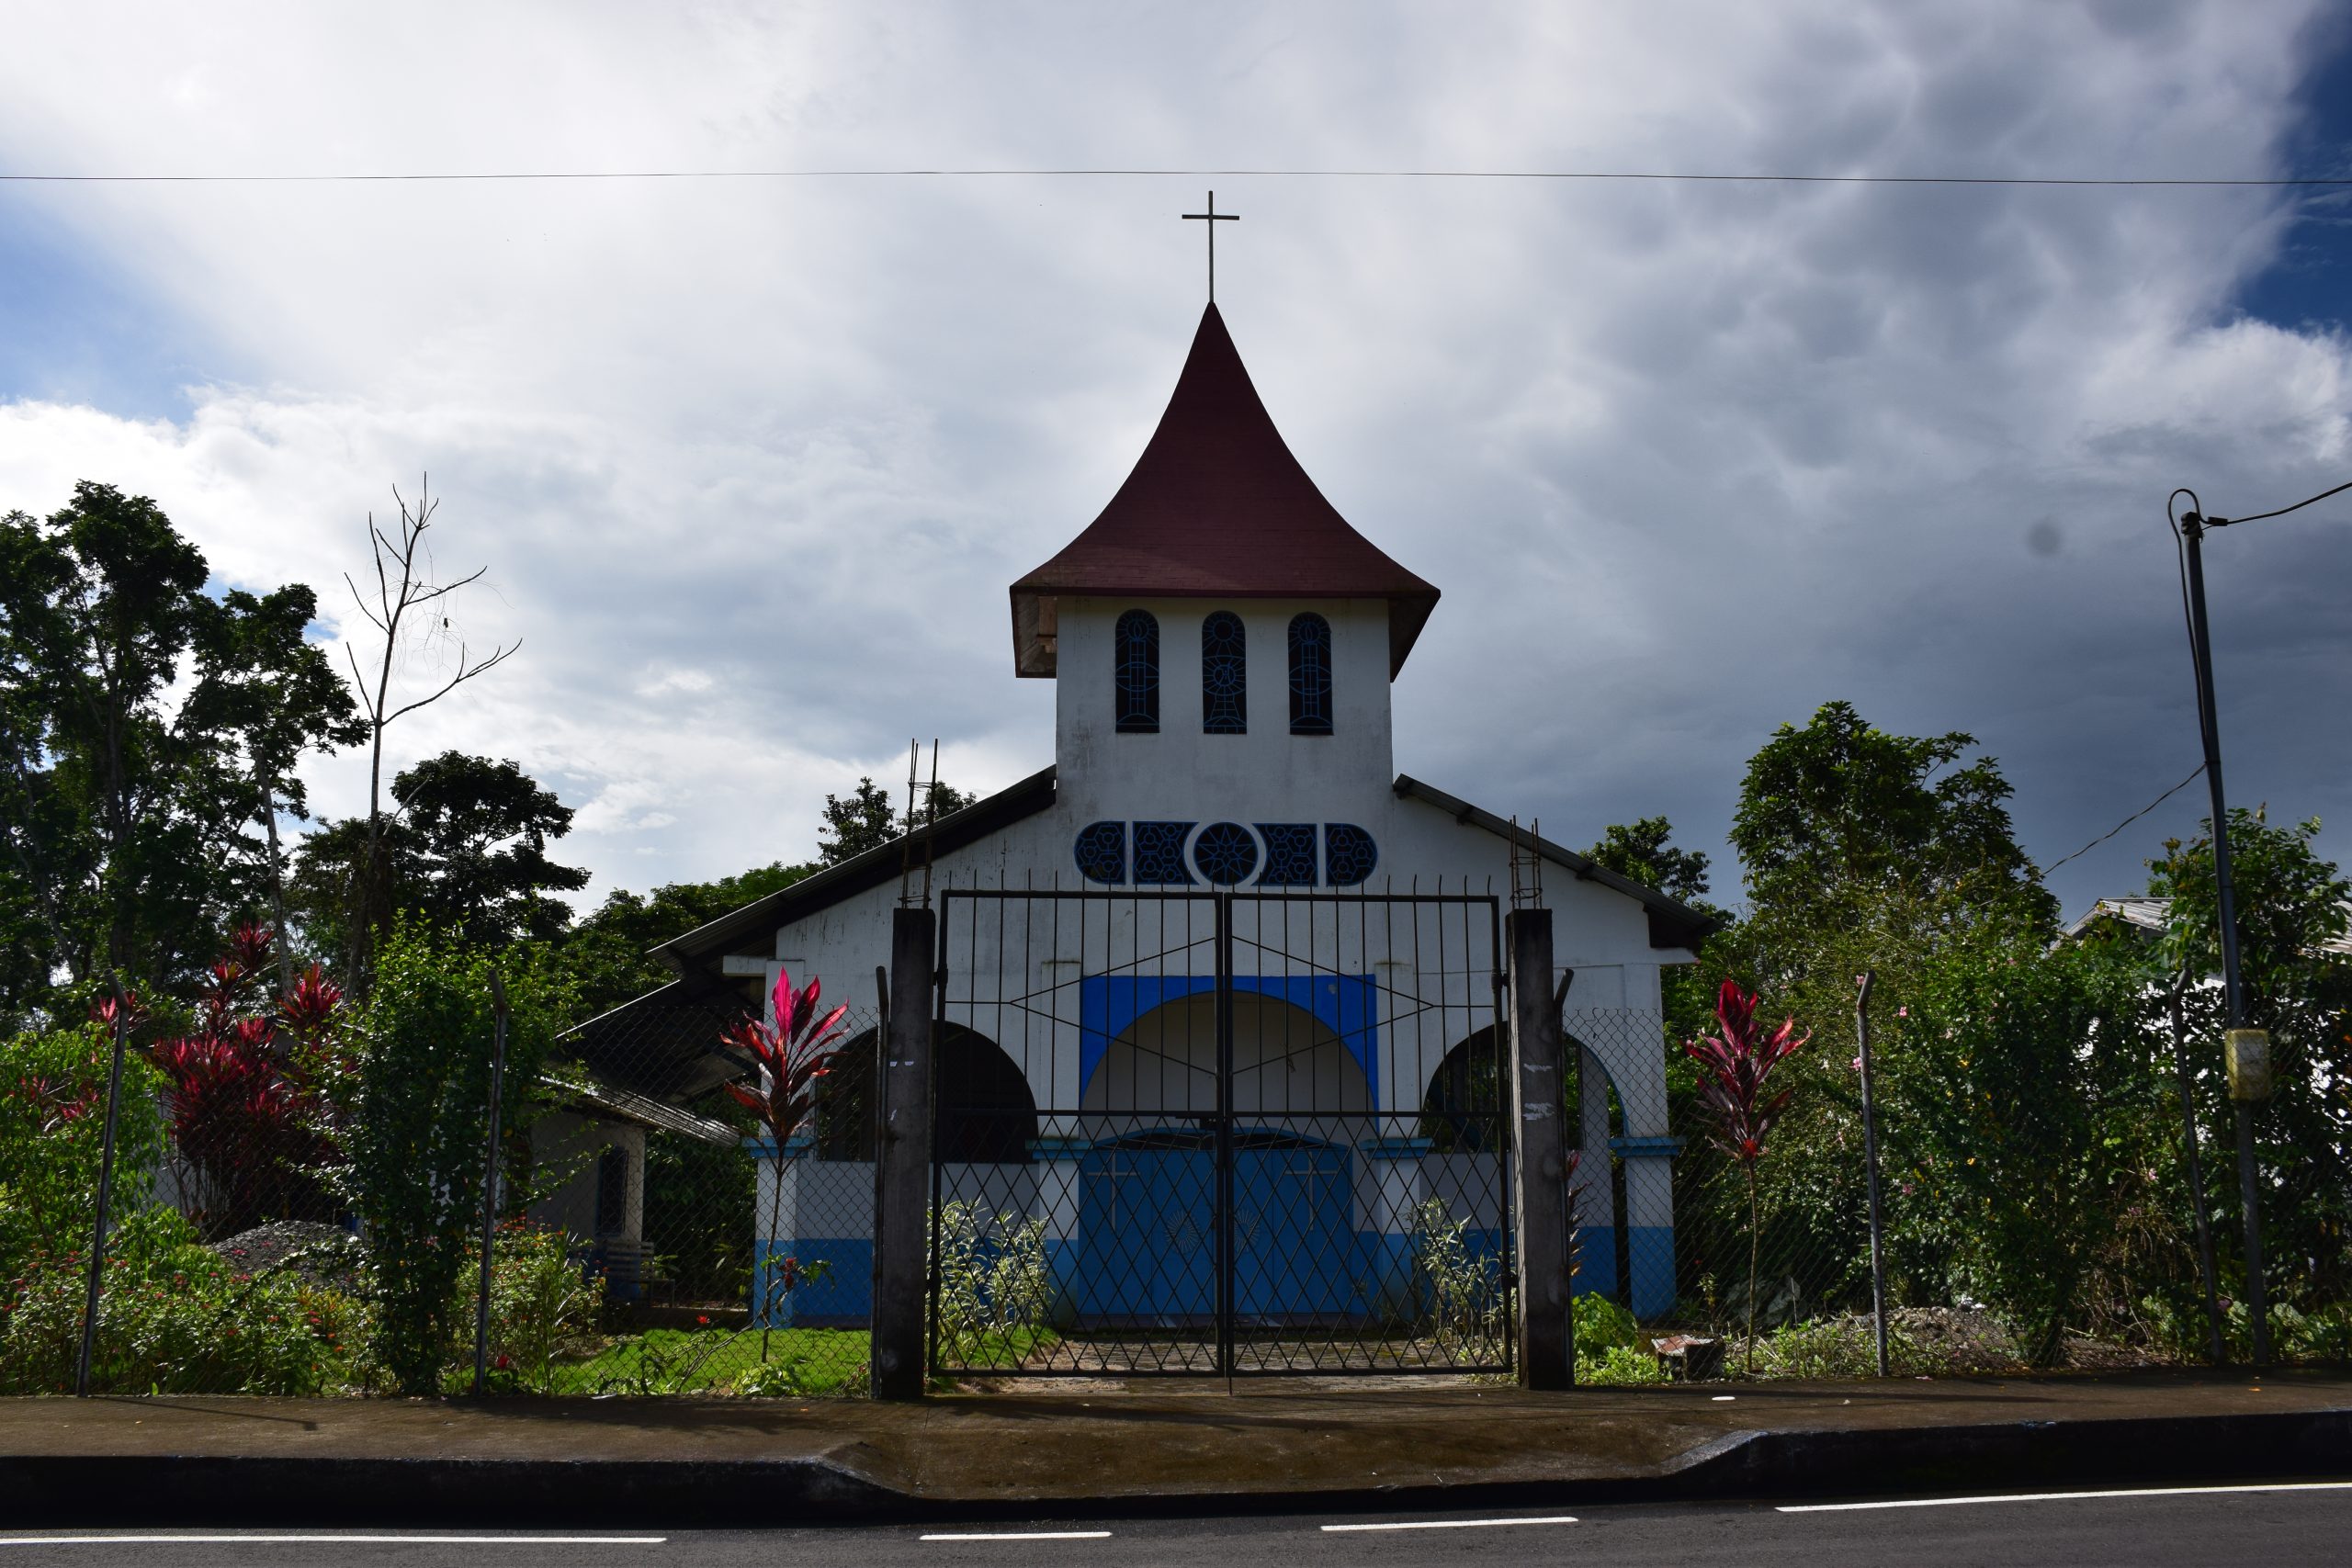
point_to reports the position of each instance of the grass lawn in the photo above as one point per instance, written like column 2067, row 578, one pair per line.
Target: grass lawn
column 722, row 1360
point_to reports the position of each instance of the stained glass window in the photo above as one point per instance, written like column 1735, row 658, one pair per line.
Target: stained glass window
column 1348, row 854
column 1160, row 853
column 1226, row 853
column 1225, row 676
column 1135, row 645
column 1310, row 675
column 1290, row 854
column 1102, row 852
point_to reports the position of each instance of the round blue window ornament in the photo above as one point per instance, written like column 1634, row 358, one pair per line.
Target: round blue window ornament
column 1224, row 853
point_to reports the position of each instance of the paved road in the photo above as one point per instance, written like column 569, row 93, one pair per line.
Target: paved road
column 2291, row 1525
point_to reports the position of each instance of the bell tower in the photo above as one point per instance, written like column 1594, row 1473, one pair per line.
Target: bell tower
column 1223, row 640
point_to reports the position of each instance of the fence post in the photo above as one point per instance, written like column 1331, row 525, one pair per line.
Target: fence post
column 1546, row 1342
column 106, row 1192
column 1870, row 1157
column 902, row 1161
column 490, row 1180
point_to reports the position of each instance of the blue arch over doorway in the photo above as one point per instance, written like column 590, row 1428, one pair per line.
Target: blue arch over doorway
column 1110, row 1004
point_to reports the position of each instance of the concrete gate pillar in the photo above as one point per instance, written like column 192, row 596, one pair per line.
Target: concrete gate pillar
column 902, row 1161
column 1540, row 1136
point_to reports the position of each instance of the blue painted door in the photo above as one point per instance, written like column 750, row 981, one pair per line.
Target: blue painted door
column 1147, row 1235
column 1293, row 1232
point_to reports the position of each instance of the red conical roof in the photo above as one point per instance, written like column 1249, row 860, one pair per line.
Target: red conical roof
column 1216, row 508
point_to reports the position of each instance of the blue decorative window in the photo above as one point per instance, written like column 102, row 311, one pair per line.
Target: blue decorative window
column 1135, row 645
column 1226, row 853
column 1225, row 676
column 1348, row 854
column 1159, row 854
column 1310, row 675
column 1102, row 852
column 1290, row 854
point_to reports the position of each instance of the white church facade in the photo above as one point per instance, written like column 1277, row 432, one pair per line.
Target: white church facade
column 1220, row 926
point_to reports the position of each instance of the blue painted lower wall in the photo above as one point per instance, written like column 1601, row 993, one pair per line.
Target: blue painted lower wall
column 1649, row 1249
column 842, row 1298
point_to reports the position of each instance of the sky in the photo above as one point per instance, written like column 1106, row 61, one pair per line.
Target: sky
column 750, row 461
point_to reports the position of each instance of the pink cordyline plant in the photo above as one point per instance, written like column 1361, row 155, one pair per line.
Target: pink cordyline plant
column 248, row 1121
column 791, row 1053
column 1735, row 1062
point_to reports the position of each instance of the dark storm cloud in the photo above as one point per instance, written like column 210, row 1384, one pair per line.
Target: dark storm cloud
column 751, row 462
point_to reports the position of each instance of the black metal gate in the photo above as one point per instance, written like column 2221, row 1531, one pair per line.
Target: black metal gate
column 1219, row 1132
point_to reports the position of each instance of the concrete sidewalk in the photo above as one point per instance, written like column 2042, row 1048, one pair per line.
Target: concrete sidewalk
column 1274, row 1444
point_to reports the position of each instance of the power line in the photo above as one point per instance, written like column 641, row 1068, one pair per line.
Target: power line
column 2103, row 838
column 1141, row 173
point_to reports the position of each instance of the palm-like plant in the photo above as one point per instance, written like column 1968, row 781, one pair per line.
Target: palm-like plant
column 791, row 1054
column 1735, row 1062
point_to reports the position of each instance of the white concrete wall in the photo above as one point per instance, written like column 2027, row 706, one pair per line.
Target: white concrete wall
column 1260, row 776
column 1022, row 989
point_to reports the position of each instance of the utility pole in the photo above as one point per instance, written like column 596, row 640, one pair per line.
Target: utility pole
column 2247, row 1050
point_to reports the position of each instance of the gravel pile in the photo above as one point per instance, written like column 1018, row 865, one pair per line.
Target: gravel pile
column 329, row 1255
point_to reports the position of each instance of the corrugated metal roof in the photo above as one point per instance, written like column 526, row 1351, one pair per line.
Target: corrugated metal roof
column 1218, row 508
column 2149, row 915
column 620, row 1103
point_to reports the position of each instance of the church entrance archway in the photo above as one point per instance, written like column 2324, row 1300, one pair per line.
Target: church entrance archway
column 1164, row 1108
column 1229, row 1171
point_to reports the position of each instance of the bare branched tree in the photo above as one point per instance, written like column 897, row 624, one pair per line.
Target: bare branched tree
column 404, row 584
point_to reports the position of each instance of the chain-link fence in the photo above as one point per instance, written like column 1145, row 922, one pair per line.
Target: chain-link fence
column 655, row 1240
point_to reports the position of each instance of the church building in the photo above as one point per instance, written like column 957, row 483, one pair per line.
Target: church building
column 1220, row 926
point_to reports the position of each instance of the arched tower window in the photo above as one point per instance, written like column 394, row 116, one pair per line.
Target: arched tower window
column 1225, row 676
column 1310, row 675
column 1136, row 672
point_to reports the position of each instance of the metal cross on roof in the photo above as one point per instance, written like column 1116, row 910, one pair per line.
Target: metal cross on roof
column 1212, row 217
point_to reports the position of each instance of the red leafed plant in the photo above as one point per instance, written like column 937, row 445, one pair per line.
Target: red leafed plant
column 791, row 1054
column 244, row 1114
column 1735, row 1064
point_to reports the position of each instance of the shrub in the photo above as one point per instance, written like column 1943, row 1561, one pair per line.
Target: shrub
column 542, row 1304
column 52, row 1114
column 1459, row 1288
column 1618, row 1366
column 174, row 1319
column 415, row 1102
column 994, row 1286
column 1602, row 1326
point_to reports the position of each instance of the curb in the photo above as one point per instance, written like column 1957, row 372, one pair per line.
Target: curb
column 65, row 1489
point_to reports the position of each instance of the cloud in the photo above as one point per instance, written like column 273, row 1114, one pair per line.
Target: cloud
column 751, row 462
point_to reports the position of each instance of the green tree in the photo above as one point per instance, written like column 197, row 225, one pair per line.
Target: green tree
column 143, row 726
column 609, row 955
column 278, row 696
column 1839, row 816
column 1640, row 851
column 2025, row 1123
column 867, row 820
column 2292, row 909
column 1859, row 850
column 466, row 851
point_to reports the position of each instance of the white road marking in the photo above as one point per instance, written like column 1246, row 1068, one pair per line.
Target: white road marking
column 2063, row 1497
column 1451, row 1524
column 1022, row 1535
column 251, row 1538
